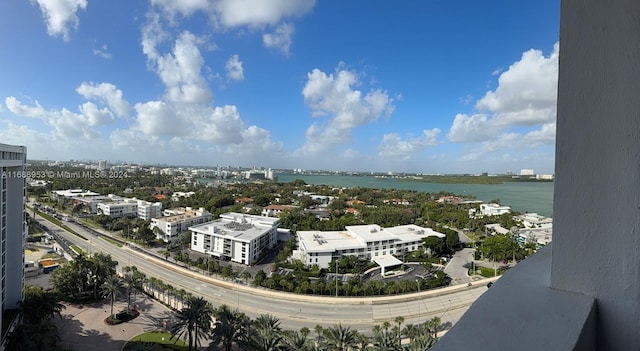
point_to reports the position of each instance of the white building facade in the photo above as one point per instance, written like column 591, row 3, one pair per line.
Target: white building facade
column 534, row 220
column 13, row 228
column 175, row 222
column 148, row 210
column 493, row 209
column 238, row 237
column 368, row 242
column 118, row 209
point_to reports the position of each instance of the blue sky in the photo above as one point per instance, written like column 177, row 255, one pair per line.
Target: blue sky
column 434, row 86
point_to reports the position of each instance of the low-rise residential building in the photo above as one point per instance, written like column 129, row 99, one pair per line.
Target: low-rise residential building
column 237, row 237
column 493, row 209
column 449, row 200
column 365, row 241
column 71, row 193
column 178, row 194
column 148, row 210
column 539, row 236
column 90, row 203
column 177, row 221
column 276, row 210
column 117, row 209
column 534, row 220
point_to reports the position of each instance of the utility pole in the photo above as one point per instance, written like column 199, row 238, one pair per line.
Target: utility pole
column 336, row 278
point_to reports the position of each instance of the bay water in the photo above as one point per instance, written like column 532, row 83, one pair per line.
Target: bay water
column 520, row 196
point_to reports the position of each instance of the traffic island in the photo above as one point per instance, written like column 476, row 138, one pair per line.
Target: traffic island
column 121, row 317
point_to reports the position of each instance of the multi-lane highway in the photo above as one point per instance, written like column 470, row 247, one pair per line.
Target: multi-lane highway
column 294, row 311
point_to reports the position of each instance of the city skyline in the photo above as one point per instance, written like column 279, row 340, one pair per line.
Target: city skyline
column 361, row 86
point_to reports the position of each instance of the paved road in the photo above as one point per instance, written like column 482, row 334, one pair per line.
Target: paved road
column 294, row 311
column 459, row 265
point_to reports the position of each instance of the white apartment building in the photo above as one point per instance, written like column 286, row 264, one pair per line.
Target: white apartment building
column 493, row 209
column 148, row 210
column 175, row 222
column 534, row 220
column 71, row 193
column 13, row 228
column 91, row 202
column 117, row 209
column 238, row 237
column 370, row 242
column 539, row 236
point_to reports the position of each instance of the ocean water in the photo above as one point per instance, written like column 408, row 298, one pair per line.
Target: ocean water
column 521, row 196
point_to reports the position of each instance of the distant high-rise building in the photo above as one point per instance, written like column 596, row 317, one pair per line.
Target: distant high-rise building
column 102, row 165
column 526, row 172
column 13, row 229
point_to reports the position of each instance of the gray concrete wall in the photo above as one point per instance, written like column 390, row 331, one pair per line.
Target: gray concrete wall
column 596, row 243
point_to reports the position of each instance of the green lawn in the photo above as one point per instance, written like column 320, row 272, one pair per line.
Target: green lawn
column 162, row 341
column 77, row 249
column 111, row 241
column 488, row 272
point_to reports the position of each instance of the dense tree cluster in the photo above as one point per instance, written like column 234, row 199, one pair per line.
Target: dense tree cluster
column 37, row 331
column 234, row 328
column 83, row 277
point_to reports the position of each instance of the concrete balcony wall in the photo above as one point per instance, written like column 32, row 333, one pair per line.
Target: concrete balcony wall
column 521, row 312
column 596, row 204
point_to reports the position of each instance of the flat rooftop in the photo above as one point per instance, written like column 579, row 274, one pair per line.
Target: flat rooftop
column 317, row 241
column 237, row 226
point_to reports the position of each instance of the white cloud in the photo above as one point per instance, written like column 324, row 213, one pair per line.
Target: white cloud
column 280, row 39
column 256, row 145
column 519, row 114
column 393, row 145
column 348, row 108
column 258, row 12
column 134, row 141
column 527, row 91
column 66, row 124
column 222, row 126
column 103, row 52
column 180, row 71
column 157, row 118
column 470, row 129
column 234, row 68
column 235, row 13
column 108, row 94
column 94, row 115
column 61, row 15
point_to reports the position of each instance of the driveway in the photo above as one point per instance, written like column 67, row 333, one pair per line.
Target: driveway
column 82, row 327
column 458, row 267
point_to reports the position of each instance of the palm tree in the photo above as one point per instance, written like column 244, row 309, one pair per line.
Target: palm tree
column 111, row 288
column 399, row 320
column 267, row 322
column 410, row 330
column 296, row 341
column 230, row 327
column 246, row 276
column 129, row 284
column 39, row 305
column 305, row 331
column 386, row 341
column 340, row 338
column 268, row 340
column 364, row 342
column 193, row 319
column 318, row 329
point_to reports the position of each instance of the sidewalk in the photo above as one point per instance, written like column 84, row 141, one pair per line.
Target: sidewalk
column 82, row 327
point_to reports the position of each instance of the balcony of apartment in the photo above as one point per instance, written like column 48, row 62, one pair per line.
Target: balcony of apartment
column 582, row 292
